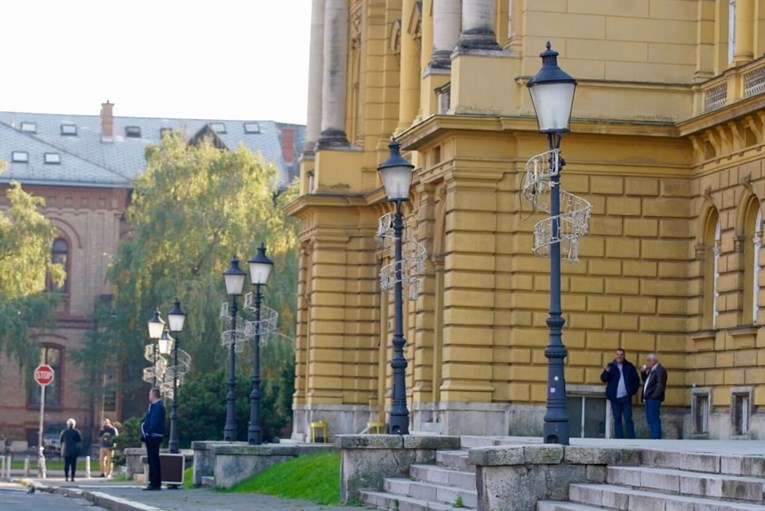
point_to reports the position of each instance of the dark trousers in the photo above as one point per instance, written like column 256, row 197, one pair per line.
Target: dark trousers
column 622, row 407
column 652, row 417
column 69, row 461
column 152, row 456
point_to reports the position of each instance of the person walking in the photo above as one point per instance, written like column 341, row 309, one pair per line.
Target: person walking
column 107, row 434
column 654, row 384
column 70, row 440
column 622, row 382
column 152, row 432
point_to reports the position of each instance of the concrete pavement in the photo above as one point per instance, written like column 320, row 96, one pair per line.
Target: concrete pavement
column 128, row 496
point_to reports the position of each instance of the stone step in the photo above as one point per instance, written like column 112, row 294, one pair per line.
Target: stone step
column 554, row 505
column 455, row 460
column 431, row 492
column 733, row 464
column 617, row 497
column 689, row 483
column 443, row 476
column 402, row 503
column 469, row 441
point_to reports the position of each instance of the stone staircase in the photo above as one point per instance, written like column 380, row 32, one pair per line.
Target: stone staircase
column 672, row 482
column 447, row 485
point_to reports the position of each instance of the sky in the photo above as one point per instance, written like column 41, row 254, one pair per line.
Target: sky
column 222, row 59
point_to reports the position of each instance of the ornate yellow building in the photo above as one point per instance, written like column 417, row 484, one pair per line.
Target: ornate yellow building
column 666, row 143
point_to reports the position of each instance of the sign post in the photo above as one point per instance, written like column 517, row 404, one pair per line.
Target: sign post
column 43, row 376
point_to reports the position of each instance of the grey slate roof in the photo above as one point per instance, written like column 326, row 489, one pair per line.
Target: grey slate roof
column 72, row 170
column 87, row 157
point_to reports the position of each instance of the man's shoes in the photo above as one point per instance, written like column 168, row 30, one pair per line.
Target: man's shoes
column 152, row 488
column 102, row 475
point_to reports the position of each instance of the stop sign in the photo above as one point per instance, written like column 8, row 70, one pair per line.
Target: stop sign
column 44, row 374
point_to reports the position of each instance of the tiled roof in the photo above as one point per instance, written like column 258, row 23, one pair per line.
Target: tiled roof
column 121, row 155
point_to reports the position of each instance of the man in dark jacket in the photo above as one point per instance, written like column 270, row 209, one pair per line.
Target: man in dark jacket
column 622, row 383
column 152, row 431
column 654, row 385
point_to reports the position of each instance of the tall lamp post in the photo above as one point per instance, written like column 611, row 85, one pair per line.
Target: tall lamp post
column 234, row 279
column 552, row 93
column 260, row 269
column 396, row 175
column 156, row 328
column 177, row 318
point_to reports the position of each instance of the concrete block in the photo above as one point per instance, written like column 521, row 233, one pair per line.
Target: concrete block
column 496, row 456
column 519, row 487
column 430, row 442
column 543, row 454
column 660, row 481
column 753, row 466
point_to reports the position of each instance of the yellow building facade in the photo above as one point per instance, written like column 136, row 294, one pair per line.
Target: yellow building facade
column 666, row 143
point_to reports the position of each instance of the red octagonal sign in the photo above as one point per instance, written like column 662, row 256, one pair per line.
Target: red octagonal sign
column 44, row 374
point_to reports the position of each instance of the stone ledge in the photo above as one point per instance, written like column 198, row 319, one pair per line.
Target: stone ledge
column 516, row 455
column 397, row 442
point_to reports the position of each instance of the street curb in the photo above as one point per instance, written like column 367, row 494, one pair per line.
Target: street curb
column 96, row 497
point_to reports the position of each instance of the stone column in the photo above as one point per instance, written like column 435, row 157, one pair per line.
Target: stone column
column 446, row 31
column 315, row 72
column 744, row 31
column 409, row 88
column 335, row 60
column 478, row 26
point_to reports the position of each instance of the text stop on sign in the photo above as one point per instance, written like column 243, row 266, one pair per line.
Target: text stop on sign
column 44, row 374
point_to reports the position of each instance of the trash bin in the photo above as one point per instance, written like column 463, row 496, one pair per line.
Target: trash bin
column 319, row 432
column 172, row 467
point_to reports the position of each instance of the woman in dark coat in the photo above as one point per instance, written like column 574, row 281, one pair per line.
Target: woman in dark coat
column 70, row 447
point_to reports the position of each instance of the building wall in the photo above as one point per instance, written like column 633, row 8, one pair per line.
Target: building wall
column 665, row 140
column 89, row 219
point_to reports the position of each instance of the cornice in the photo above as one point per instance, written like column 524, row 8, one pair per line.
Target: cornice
column 723, row 115
column 319, row 200
column 422, row 134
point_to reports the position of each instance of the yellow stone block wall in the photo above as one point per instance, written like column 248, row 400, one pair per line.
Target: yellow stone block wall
column 646, row 150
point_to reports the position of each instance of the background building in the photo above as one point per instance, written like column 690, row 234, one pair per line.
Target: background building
column 666, row 143
column 84, row 166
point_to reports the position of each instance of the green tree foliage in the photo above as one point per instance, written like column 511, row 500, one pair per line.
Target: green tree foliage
column 193, row 208
column 25, row 262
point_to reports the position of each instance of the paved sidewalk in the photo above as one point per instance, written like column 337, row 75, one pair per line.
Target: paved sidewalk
column 128, row 496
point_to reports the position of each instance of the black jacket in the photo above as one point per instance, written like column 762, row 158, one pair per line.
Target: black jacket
column 70, row 443
column 611, row 378
column 657, row 383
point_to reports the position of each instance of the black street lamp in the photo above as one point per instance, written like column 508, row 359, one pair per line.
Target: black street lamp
column 260, row 269
column 177, row 318
column 552, row 93
column 234, row 279
column 156, row 328
column 396, row 175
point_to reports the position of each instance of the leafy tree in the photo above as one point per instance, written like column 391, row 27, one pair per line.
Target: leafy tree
column 193, row 208
column 25, row 262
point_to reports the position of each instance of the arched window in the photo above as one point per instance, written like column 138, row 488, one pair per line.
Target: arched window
column 752, row 242
column 51, row 355
column 712, row 235
column 60, row 255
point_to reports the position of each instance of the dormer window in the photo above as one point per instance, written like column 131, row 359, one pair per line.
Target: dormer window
column 218, row 127
column 133, row 131
column 52, row 158
column 69, row 130
column 28, row 127
column 252, row 127
column 20, row 157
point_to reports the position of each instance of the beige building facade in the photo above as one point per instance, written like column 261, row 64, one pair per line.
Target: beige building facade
column 666, row 143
